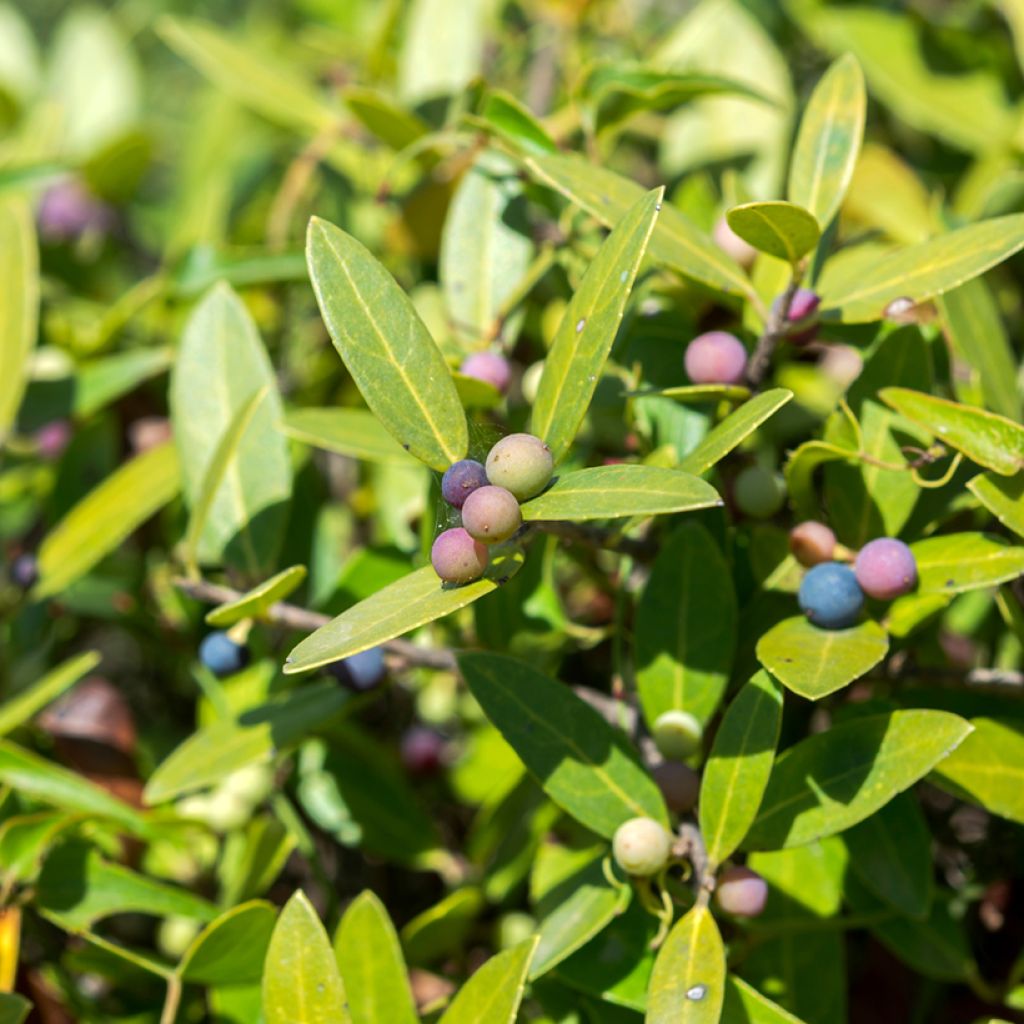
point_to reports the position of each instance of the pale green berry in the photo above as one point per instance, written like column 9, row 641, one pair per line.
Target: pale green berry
column 641, row 847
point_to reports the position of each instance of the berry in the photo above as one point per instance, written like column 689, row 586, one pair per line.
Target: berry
column 677, row 734
column 460, row 480
column 759, row 492
column 25, row 570
column 175, row 935
column 679, row 785
column 422, row 751
column 830, row 596
column 885, row 568
column 491, row 514
column 252, row 784
column 362, row 671
column 489, row 367
column 68, row 210
column 457, row 557
column 716, row 357
column 812, row 542
column 732, row 245
column 221, row 655
column 531, row 381
column 52, row 438
column 522, row 464
column 741, row 892
column 803, row 307
column 148, row 432
column 641, row 847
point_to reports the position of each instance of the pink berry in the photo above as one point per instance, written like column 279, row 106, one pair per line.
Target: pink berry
column 679, row 785
column 716, row 357
column 489, row 367
column 886, row 568
column 52, row 439
column 491, row 514
column 422, row 751
column 732, row 245
column 802, row 308
column 812, row 542
column 457, row 557
column 741, row 892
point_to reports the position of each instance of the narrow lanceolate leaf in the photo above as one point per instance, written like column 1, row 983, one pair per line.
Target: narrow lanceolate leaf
column 833, row 780
column 506, row 115
column 859, row 294
column 301, row 983
column 230, row 950
column 576, row 359
column 386, row 347
column 828, row 143
column 688, row 982
column 783, row 230
column 952, row 563
column 737, row 770
column 257, row 601
column 372, row 969
column 675, row 242
column 745, row 1005
column 611, row 492
column 815, row 662
column 988, row 767
column 102, row 520
column 22, row 706
column 220, row 366
column 494, row 992
column 1003, row 496
column 685, row 636
column 993, row 441
column 19, row 302
column 734, row 429
column 352, row 432
column 584, row 764
column 485, row 246
column 396, row 609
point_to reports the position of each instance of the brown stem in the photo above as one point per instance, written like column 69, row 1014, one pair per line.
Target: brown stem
column 690, row 845
column 775, row 329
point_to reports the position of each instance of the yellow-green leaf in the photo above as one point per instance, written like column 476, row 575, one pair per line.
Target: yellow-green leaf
column 781, row 229
column 257, row 601
column 352, row 432
column 494, row 992
column 688, row 981
column 230, row 950
column 19, row 302
column 23, row 705
column 1003, row 496
column 952, row 563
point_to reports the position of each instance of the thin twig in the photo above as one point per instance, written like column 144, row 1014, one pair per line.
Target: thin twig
column 690, row 845
column 775, row 329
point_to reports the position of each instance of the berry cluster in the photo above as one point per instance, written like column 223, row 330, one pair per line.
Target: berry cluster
column 517, row 467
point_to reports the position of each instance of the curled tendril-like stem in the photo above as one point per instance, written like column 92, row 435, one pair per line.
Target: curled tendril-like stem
column 658, row 904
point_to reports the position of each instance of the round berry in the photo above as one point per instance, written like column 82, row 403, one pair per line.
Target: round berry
column 522, row 464
column 362, row 671
column 457, row 557
column 741, row 892
column 759, row 492
column 489, row 367
column 52, row 438
column 679, row 785
column 422, row 751
column 716, row 357
column 25, row 570
column 68, row 210
column 460, row 480
column 175, row 935
column 885, row 568
column 641, row 847
column 732, row 245
column 148, row 432
column 221, row 655
column 830, row 596
column 802, row 310
column 677, row 734
column 491, row 514
column 811, row 543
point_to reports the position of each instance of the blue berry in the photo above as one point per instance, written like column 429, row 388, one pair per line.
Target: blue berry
column 830, row 595
column 221, row 655
column 362, row 671
column 460, row 480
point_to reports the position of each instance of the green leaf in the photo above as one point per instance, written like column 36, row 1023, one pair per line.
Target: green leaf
column 377, row 112
column 13, row 1008
column 220, row 366
column 688, row 982
column 832, row 780
column 783, row 230
column 891, row 852
column 584, row 764
column 352, row 432
column 22, row 706
column 1003, row 497
column 230, row 949
column 301, row 983
column 255, row 603
column 735, row 429
column 485, row 246
column 988, row 767
column 19, row 302
column 494, row 992
column 675, row 242
column 77, row 888
column 207, row 756
column 611, row 492
column 397, row 609
column 386, row 347
column 860, row 294
column 98, row 382
column 815, row 662
column 745, row 1005
column 687, row 393
column 442, row 930
column 581, row 344
column 442, row 50
column 685, row 634
column 828, row 143
column 506, row 115
column 739, row 765
column 990, row 440
column 25, row 840
column 372, row 969
column 102, row 520
column 952, row 563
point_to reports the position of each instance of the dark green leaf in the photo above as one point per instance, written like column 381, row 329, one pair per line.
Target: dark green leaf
column 230, row 949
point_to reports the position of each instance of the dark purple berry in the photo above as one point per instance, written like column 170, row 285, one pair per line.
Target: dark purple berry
column 422, row 751
column 460, row 480
column 679, row 785
column 803, row 311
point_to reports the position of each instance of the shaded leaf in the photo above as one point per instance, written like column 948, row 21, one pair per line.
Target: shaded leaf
column 688, row 981
column 23, row 705
column 781, row 229
column 230, row 949
column 13, row 1008
column 745, row 1005
column 377, row 112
